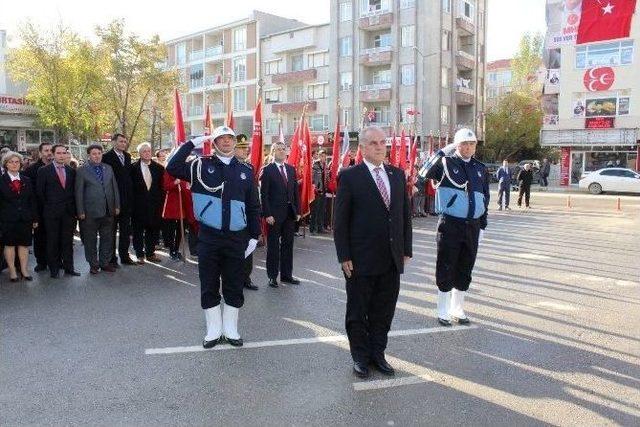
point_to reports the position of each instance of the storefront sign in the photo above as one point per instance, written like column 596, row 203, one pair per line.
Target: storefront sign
column 565, row 165
column 599, row 79
column 599, row 123
column 11, row 104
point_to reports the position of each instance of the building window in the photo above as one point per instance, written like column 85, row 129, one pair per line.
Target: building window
column 297, row 62
column 492, row 92
column 346, row 11
column 408, row 35
column 272, row 67
column 444, row 115
column 381, row 76
column 345, row 46
column 317, row 59
column 604, row 54
column 239, row 69
column 445, row 77
column 405, row 4
column 240, row 99
column 318, row 91
column 346, row 80
column 407, row 75
column 239, row 39
column 446, row 6
column 272, row 126
column 346, row 117
column 382, row 115
column 272, row 96
column 446, row 40
column 319, row 123
column 405, row 117
column 181, row 54
column 382, row 40
column 468, row 9
column 298, row 94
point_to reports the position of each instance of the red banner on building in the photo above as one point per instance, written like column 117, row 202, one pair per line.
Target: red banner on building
column 599, row 123
column 565, row 166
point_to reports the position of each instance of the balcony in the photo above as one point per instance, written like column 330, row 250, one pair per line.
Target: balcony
column 293, row 107
column 212, row 80
column 465, row 61
column 375, row 92
column 195, row 110
column 214, row 51
column 465, row 96
column 196, row 84
column 376, row 56
column 217, row 108
column 465, row 26
column 295, row 76
column 376, row 20
column 196, row 55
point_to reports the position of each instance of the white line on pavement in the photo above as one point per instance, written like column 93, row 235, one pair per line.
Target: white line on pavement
column 297, row 341
column 395, row 382
column 169, row 276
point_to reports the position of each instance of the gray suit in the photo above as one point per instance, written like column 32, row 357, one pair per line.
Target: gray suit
column 98, row 202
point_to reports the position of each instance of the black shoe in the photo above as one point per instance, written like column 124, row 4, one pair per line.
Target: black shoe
column 235, row 343
column 55, row 274
column 250, row 285
column 71, row 273
column 27, row 277
column 361, row 369
column 273, row 283
column 290, row 281
column 13, row 279
column 444, row 322
column 461, row 321
column 40, row 267
column 212, row 343
column 127, row 261
column 383, row 366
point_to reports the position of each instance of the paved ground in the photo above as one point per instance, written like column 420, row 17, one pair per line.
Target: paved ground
column 555, row 338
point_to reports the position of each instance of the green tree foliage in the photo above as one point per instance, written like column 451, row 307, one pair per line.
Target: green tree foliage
column 527, row 62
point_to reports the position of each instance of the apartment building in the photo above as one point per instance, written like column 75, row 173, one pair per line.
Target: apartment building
column 499, row 77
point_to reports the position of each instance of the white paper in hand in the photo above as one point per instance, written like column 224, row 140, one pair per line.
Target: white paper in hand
column 250, row 247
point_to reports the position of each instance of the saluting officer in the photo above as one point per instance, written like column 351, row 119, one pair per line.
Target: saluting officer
column 462, row 199
column 226, row 206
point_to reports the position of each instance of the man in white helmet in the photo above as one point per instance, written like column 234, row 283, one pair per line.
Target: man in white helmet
column 462, row 200
column 225, row 203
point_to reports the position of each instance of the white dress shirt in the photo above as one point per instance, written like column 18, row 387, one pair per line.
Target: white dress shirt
column 146, row 174
column 383, row 175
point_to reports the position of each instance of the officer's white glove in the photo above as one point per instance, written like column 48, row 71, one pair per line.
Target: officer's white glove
column 449, row 149
column 199, row 141
column 481, row 236
column 250, row 247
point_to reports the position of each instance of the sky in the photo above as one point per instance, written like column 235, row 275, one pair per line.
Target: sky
column 507, row 20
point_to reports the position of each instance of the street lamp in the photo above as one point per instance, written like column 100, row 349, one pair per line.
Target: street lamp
column 422, row 88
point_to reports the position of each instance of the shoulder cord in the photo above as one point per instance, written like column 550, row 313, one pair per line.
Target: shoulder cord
column 446, row 173
column 198, row 165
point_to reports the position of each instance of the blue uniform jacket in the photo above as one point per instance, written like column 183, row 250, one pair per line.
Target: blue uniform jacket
column 225, row 197
column 463, row 187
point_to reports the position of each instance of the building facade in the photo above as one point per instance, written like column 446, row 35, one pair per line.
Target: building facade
column 499, row 78
column 295, row 72
column 590, row 98
column 425, row 57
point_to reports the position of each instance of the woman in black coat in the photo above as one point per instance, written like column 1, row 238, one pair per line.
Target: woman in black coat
column 18, row 214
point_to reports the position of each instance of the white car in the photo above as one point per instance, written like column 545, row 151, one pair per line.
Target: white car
column 619, row 180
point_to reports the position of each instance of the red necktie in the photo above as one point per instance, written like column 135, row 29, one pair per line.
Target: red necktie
column 61, row 175
column 382, row 188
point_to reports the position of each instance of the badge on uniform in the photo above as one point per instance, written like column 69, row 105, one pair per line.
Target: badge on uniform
column 479, row 174
column 243, row 176
column 455, row 171
column 210, row 169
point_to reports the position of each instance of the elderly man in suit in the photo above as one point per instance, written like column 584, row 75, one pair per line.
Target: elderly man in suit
column 372, row 234
column 97, row 203
column 281, row 209
column 55, row 188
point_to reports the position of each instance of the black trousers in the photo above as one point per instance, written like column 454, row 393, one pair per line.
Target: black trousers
column 172, row 238
column 40, row 244
column 221, row 262
column 317, row 213
column 59, row 232
column 280, row 249
column 122, row 224
column 457, row 247
column 525, row 190
column 145, row 238
column 371, row 304
column 248, row 268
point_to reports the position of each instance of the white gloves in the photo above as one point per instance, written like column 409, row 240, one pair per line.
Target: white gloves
column 250, row 247
column 481, row 236
column 449, row 149
column 199, row 141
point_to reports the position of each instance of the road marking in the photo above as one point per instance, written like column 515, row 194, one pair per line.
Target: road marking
column 525, row 255
column 327, row 275
column 626, row 284
column 554, row 305
column 168, row 276
column 298, row 341
column 396, row 382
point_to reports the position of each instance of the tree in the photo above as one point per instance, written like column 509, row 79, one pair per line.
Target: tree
column 60, row 71
column 133, row 85
column 526, row 63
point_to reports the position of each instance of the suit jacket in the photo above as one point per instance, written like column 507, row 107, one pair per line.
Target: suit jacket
column 319, row 176
column 17, row 207
column 55, row 200
column 147, row 204
column 365, row 232
column 279, row 200
column 96, row 199
column 504, row 177
column 123, row 178
column 525, row 177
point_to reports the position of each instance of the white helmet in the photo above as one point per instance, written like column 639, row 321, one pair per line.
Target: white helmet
column 464, row 135
column 222, row 130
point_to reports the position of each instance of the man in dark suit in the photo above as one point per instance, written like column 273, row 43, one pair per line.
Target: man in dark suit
column 39, row 234
column 281, row 209
column 372, row 234
column 55, row 189
column 120, row 162
column 504, row 185
column 97, row 202
column 319, row 183
column 146, row 176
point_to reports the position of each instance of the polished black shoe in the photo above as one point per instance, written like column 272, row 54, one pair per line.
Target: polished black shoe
column 235, row 343
column 40, row 267
column 250, row 285
column 273, row 283
column 212, row 343
column 55, row 274
column 361, row 369
column 71, row 273
column 461, row 321
column 383, row 366
column 290, row 281
column 444, row 322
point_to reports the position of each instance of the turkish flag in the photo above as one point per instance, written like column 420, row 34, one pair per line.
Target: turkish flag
column 307, row 191
column 335, row 157
column 393, row 155
column 605, row 20
column 402, row 163
column 256, row 139
column 179, row 122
